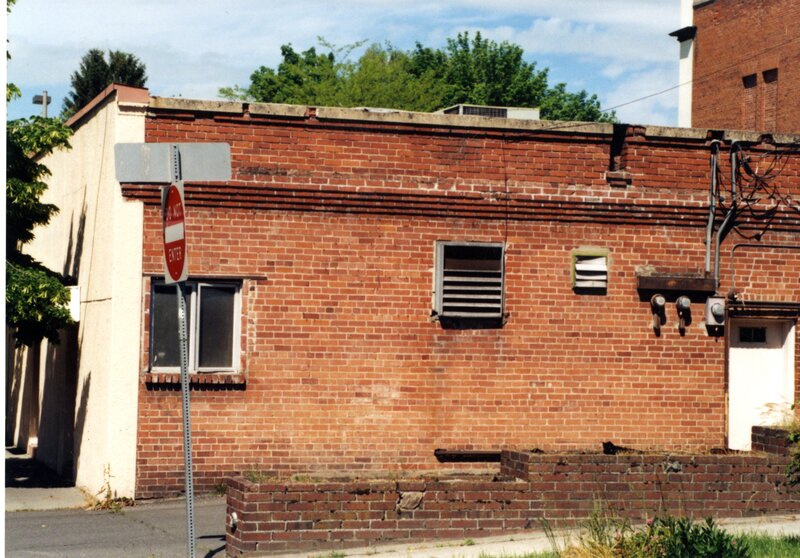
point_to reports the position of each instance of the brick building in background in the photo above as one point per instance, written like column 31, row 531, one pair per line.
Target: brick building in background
column 371, row 287
column 743, row 60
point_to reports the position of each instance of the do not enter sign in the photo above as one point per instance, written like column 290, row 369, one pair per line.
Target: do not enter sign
column 175, row 257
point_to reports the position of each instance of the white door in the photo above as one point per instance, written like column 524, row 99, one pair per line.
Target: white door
column 760, row 376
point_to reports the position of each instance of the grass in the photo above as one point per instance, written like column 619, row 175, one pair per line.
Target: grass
column 761, row 546
column 765, row 546
column 547, row 554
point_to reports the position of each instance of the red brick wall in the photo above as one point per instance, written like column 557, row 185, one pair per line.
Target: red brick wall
column 771, row 440
column 738, row 39
column 331, row 227
column 560, row 489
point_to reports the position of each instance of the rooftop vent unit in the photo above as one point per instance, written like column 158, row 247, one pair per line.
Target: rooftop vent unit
column 518, row 113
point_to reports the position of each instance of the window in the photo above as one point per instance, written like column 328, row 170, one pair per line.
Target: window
column 749, row 101
column 752, row 334
column 213, row 317
column 770, row 99
column 469, row 284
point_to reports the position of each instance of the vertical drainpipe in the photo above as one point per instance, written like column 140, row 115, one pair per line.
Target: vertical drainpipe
column 712, row 208
column 735, row 149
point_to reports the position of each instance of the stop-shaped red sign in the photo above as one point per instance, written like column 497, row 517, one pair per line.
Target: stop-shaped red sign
column 175, row 257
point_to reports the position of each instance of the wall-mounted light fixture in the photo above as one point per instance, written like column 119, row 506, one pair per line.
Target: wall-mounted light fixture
column 657, row 305
column 684, row 306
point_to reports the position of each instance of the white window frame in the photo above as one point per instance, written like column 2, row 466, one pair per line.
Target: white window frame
column 193, row 289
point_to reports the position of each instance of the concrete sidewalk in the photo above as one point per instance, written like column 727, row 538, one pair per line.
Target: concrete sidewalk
column 533, row 541
column 29, row 485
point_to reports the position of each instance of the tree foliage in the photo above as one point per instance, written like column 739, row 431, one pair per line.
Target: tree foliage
column 95, row 73
column 36, row 299
column 470, row 70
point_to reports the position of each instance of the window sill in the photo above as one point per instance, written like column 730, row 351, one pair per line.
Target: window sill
column 206, row 380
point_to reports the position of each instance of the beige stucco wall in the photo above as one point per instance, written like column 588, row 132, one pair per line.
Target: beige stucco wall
column 97, row 237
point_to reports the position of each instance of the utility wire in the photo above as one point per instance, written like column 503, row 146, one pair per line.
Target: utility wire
column 704, row 78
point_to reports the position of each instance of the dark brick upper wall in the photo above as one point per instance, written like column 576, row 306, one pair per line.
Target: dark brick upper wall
column 739, row 38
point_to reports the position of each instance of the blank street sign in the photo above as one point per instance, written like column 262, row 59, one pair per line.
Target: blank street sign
column 151, row 162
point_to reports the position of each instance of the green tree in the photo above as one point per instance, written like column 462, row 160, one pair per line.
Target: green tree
column 469, row 70
column 483, row 72
column 36, row 297
column 95, row 74
column 560, row 104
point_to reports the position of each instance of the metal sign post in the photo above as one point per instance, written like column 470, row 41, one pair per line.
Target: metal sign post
column 172, row 164
column 176, row 271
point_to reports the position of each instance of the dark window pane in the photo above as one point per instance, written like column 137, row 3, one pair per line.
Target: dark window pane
column 753, row 334
column 164, row 335
column 216, row 326
column 477, row 258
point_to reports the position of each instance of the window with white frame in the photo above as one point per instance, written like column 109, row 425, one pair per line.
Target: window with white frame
column 213, row 320
column 469, row 283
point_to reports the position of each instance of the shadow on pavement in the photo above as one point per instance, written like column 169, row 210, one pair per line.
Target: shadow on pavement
column 23, row 471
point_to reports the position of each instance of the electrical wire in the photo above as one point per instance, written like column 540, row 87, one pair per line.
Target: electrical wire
column 704, row 78
column 760, row 197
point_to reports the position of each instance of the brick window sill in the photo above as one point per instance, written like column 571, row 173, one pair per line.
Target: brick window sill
column 206, row 380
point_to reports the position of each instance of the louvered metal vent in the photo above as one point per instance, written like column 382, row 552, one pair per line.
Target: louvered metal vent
column 590, row 273
column 492, row 112
column 469, row 280
column 517, row 113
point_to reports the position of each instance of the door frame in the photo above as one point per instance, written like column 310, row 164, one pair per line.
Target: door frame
column 787, row 313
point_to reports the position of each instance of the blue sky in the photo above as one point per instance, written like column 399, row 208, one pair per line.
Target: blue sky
column 618, row 49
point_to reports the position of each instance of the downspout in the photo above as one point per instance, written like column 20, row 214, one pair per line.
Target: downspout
column 712, row 209
column 735, row 149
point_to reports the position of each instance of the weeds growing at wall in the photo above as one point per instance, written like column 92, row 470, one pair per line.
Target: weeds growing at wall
column 792, row 426
column 107, row 498
column 607, row 536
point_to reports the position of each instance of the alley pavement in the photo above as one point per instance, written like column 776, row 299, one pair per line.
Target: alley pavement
column 149, row 530
column 47, row 517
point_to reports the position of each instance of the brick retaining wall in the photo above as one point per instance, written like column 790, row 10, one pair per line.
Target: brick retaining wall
column 770, row 440
column 560, row 488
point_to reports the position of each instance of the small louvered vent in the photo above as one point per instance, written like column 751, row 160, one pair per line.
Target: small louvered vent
column 590, row 272
column 470, row 280
column 492, row 112
column 515, row 113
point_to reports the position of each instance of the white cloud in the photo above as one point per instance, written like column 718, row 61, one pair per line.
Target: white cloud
column 192, row 47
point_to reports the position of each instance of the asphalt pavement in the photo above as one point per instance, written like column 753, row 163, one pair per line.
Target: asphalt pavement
column 149, row 530
column 48, row 517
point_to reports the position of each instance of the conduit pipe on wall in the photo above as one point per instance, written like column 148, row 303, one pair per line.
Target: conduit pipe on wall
column 712, row 201
column 735, row 149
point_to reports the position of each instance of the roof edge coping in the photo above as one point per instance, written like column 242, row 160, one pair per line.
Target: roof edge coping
column 126, row 94
column 174, row 103
column 278, row 109
column 460, row 121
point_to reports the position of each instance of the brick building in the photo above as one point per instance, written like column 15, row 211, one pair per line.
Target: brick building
column 744, row 58
column 371, row 287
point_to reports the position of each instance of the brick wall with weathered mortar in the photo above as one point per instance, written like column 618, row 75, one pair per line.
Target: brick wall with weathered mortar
column 330, row 222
